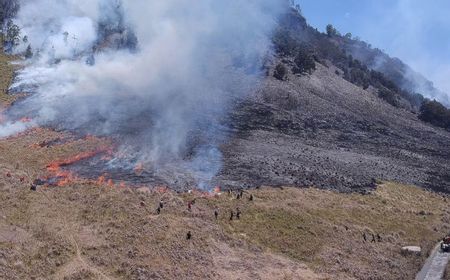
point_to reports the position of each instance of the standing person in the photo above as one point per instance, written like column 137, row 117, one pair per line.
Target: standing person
column 161, row 204
column 216, row 214
column 231, row 215
column 188, row 235
column 379, row 237
column 251, row 197
column 364, row 237
column 238, row 213
column 189, row 206
column 158, row 210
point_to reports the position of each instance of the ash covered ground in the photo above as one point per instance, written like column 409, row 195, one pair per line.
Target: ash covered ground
column 323, row 131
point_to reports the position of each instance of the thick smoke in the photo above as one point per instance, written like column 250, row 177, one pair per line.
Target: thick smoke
column 158, row 75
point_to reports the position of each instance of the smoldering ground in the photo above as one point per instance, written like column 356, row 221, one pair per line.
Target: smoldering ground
column 157, row 75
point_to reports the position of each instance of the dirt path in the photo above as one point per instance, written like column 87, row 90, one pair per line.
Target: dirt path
column 78, row 261
column 86, row 265
column 435, row 265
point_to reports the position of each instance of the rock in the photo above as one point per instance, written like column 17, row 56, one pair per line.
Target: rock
column 408, row 250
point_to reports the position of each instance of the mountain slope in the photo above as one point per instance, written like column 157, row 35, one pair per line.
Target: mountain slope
column 322, row 130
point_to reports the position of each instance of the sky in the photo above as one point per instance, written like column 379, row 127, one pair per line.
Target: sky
column 416, row 31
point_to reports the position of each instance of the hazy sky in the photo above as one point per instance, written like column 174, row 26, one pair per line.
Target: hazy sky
column 416, row 31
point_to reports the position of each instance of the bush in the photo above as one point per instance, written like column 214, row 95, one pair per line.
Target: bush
column 389, row 96
column 304, row 62
column 435, row 113
column 284, row 43
column 359, row 78
column 280, row 72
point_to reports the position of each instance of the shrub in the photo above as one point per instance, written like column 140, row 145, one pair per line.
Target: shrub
column 389, row 96
column 435, row 113
column 284, row 43
column 304, row 62
column 359, row 78
column 280, row 72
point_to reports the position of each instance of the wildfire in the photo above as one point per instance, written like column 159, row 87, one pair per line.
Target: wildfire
column 139, row 168
column 206, row 194
column 60, row 177
column 101, row 180
column 110, row 183
column 26, row 120
column 161, row 189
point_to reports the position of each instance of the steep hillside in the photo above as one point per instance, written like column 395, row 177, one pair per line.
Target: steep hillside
column 340, row 126
column 321, row 130
column 362, row 64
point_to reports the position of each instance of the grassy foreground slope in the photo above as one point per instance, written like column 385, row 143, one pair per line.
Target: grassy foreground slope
column 97, row 232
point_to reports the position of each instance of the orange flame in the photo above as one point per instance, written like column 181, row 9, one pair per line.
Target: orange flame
column 217, row 190
column 139, row 168
column 63, row 177
column 25, row 119
column 110, row 183
column 101, row 180
column 161, row 189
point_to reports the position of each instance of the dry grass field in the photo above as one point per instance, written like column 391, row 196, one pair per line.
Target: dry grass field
column 90, row 231
column 6, row 76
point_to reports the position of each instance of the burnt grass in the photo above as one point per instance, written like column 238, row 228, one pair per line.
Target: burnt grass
column 320, row 130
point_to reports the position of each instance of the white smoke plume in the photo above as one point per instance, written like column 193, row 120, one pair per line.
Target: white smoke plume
column 156, row 74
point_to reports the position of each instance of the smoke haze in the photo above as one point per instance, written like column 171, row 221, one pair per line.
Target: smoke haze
column 158, row 75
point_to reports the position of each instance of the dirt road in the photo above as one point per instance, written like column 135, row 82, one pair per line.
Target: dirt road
column 435, row 265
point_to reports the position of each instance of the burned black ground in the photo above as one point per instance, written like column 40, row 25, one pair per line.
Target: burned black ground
column 320, row 130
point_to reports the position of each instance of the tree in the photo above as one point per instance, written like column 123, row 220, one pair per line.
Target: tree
column 8, row 9
column 331, row 31
column 12, row 37
column 304, row 62
column 29, row 52
column 280, row 72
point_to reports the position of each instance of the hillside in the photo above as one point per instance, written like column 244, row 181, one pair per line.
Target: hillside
column 321, row 130
column 328, row 129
